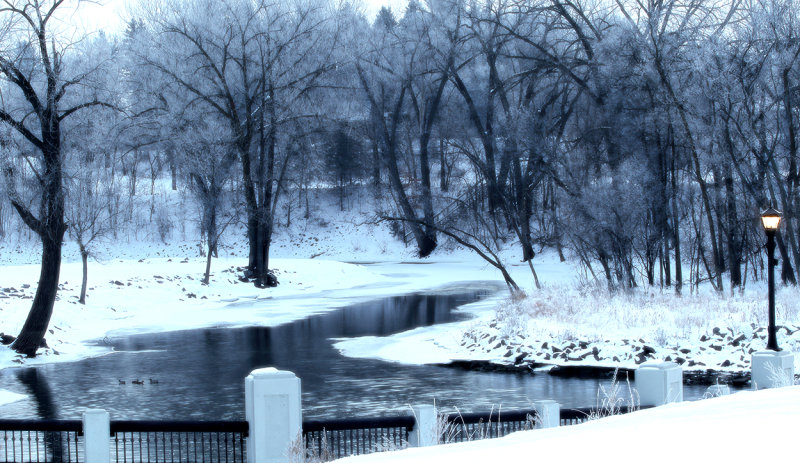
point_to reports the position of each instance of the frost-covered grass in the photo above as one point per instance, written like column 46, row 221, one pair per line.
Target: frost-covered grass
column 566, row 324
column 658, row 316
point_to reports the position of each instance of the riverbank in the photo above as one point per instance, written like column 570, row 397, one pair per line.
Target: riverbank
column 148, row 295
column 567, row 331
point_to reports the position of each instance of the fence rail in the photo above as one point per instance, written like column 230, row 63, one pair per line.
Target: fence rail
column 179, row 441
column 460, row 427
column 141, row 441
column 54, row 441
column 329, row 439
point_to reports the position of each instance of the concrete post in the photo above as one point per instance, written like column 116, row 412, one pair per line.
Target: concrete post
column 718, row 390
column 548, row 414
column 659, row 383
column 273, row 411
column 772, row 369
column 424, row 433
column 96, row 436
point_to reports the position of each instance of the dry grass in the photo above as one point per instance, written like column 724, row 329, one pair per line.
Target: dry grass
column 660, row 316
column 613, row 400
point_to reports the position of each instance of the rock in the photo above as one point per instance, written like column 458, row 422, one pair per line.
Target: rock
column 715, row 347
column 555, row 349
column 726, row 363
column 519, row 358
column 547, row 356
column 6, row 339
column 716, row 331
column 118, row 283
column 544, row 345
column 583, row 344
column 738, row 339
column 667, row 358
column 508, row 354
column 647, row 350
column 684, row 351
column 680, row 360
column 615, row 358
column 704, row 338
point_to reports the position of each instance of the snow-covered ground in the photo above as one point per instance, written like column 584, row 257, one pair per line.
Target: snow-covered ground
column 138, row 283
column 746, row 426
column 563, row 325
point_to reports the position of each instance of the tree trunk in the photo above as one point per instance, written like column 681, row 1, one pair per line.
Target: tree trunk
column 85, row 279
column 787, row 272
column 675, row 225
column 734, row 246
column 442, row 167
column 32, row 334
column 207, row 275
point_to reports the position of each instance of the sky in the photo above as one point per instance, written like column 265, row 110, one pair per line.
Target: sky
column 109, row 14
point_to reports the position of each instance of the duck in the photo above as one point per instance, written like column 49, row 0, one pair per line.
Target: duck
column 121, row 381
column 138, row 381
column 153, row 381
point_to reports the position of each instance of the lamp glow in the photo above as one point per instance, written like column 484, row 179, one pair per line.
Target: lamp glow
column 771, row 219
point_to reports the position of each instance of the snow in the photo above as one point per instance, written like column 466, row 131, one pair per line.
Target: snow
column 140, row 284
column 564, row 325
column 746, row 426
column 157, row 295
column 6, row 397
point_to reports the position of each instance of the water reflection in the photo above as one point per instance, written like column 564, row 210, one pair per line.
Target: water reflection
column 37, row 387
column 200, row 372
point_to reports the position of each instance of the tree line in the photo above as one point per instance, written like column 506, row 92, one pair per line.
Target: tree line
column 640, row 137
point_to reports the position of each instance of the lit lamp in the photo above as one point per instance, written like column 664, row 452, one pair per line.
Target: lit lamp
column 772, row 367
column 771, row 220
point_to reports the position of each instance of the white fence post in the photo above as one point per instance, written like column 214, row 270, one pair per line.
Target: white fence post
column 548, row 414
column 772, row 369
column 424, row 432
column 659, row 383
column 96, row 436
column 273, row 411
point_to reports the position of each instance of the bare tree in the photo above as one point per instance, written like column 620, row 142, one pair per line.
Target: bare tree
column 37, row 99
column 253, row 64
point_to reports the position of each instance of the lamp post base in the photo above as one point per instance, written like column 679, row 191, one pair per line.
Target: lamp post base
column 772, row 369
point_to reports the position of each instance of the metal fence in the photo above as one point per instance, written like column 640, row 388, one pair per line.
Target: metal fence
column 326, row 440
column 178, row 441
column 461, row 427
column 27, row 441
column 54, row 441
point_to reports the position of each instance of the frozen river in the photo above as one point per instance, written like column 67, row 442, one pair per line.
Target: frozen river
column 200, row 373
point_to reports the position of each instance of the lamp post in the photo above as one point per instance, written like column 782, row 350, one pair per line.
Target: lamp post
column 771, row 219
